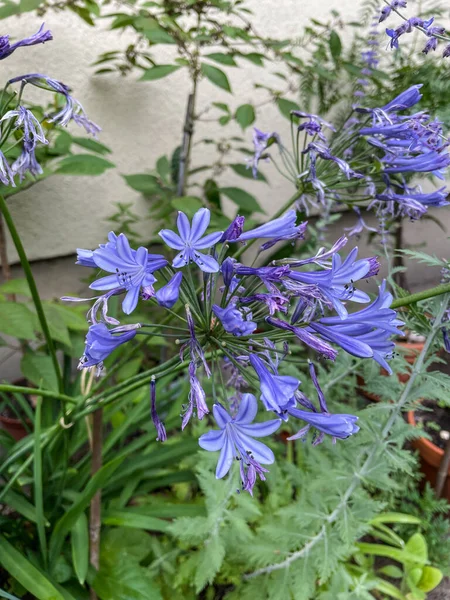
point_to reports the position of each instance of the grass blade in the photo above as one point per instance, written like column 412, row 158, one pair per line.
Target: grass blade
column 38, row 491
column 80, row 547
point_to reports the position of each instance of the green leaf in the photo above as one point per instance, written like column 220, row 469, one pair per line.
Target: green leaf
column 159, row 72
column 143, row 182
column 159, row 36
column 20, row 505
column 417, row 546
column 187, row 204
column 254, row 57
column 29, row 5
column 224, row 59
column 216, row 76
column 91, row 144
column 26, row 574
column 245, row 115
column 394, row 517
column 17, row 320
column 402, row 556
column 391, row 571
column 79, row 538
column 163, row 168
column 389, row 589
column 242, row 198
column 16, row 286
column 431, row 578
column 128, row 518
column 285, row 106
column 37, row 480
column 243, row 171
column 83, row 164
column 335, row 45
column 210, row 560
column 39, row 369
column 68, row 520
column 57, row 326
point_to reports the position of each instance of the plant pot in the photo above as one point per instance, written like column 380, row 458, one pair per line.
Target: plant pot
column 12, row 425
column 430, row 458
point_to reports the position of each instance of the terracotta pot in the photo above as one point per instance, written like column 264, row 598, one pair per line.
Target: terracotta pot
column 14, row 427
column 430, row 458
column 412, row 351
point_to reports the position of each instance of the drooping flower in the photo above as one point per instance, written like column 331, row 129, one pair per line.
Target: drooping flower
column 337, row 425
column 360, row 226
column 261, row 142
column 197, row 397
column 313, row 125
column 274, row 302
column 32, row 129
column 337, row 284
column 101, row 341
column 235, row 321
column 131, row 271
column 306, row 337
column 234, row 230
column 195, row 349
column 277, row 391
column 283, row 228
column 26, row 163
column 6, row 173
column 159, row 425
column 190, row 240
column 41, row 36
column 234, row 439
column 405, row 100
column 168, row 295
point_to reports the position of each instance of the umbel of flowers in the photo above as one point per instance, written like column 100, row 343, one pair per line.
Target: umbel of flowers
column 245, row 318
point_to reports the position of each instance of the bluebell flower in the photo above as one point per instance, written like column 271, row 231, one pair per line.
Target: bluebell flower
column 41, row 36
column 337, row 425
column 190, row 240
column 197, row 397
column 337, row 284
column 168, row 295
column 234, row 321
column 130, row 270
column 159, row 425
column 32, row 129
column 234, row 230
column 283, row 228
column 101, row 341
column 306, row 337
column 277, row 391
column 234, row 439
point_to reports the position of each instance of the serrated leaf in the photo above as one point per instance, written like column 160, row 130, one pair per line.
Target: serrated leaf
column 158, row 72
column 210, row 561
column 83, row 164
column 216, row 76
column 242, row 198
column 245, row 115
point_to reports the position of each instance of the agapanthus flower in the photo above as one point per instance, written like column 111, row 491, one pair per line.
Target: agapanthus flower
column 159, row 425
column 234, row 320
column 234, row 230
column 337, row 284
column 274, row 302
column 337, row 425
column 197, row 397
column 168, row 295
column 360, row 226
column 101, row 341
column 6, row 173
column 190, row 240
column 313, row 125
column 227, row 270
column 26, row 163
column 196, row 353
column 261, row 142
column 277, row 391
column 315, row 149
column 41, row 36
column 234, row 439
column 405, row 100
column 131, row 271
column 283, row 228
column 32, row 129
column 306, row 337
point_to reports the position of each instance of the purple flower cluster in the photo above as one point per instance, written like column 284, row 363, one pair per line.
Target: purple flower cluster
column 224, row 320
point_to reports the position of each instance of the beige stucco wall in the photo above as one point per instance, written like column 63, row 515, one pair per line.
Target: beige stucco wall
column 140, row 121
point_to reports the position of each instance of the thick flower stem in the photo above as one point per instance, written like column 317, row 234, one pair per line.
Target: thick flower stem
column 96, row 502
column 436, row 291
column 33, row 288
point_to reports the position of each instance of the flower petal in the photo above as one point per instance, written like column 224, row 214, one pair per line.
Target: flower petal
column 213, row 440
column 181, row 259
column 247, row 410
column 221, row 416
column 184, row 228
column 172, row 239
column 208, row 241
column 260, row 452
column 131, row 299
column 207, row 263
column 200, row 224
column 141, row 256
column 225, row 459
column 123, row 249
column 105, row 283
column 260, row 429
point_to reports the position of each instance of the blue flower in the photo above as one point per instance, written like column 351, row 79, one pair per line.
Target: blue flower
column 306, row 337
column 131, row 269
column 26, row 163
column 234, row 439
column 167, row 296
column 277, row 391
column 197, row 397
column 101, row 341
column 261, row 142
column 41, row 36
column 337, row 425
column 32, row 129
column 233, row 320
column 405, row 100
column 159, row 426
column 283, row 228
column 365, row 333
column 274, row 302
column 6, row 173
column 190, row 241
column 337, row 284
column 234, row 230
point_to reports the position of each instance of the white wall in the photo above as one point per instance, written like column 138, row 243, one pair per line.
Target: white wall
column 140, row 121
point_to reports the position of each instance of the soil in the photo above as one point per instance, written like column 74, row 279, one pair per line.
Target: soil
column 435, row 421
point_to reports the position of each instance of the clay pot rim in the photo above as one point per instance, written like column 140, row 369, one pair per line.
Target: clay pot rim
column 426, row 442
column 10, row 420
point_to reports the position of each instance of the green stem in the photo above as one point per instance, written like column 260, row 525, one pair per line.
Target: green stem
column 33, row 288
column 19, row 389
column 436, row 291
